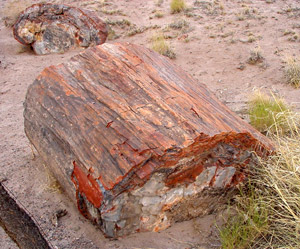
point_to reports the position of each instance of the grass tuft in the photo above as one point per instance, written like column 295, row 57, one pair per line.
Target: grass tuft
column 161, row 46
column 268, row 207
column 177, row 6
column 250, row 220
column 159, row 14
column 270, row 114
column 51, row 185
column 268, row 215
column 158, row 3
column 292, row 71
column 179, row 24
column 255, row 56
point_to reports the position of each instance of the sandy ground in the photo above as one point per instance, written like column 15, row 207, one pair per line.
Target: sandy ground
column 213, row 47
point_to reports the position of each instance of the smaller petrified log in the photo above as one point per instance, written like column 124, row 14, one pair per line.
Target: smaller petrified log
column 56, row 28
column 18, row 224
column 137, row 141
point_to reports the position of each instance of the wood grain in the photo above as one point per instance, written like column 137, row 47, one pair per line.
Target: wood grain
column 120, row 113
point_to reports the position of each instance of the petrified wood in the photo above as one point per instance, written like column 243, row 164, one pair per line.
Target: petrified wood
column 18, row 224
column 137, row 141
column 56, row 28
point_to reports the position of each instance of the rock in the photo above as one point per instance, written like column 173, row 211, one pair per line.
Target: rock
column 56, row 28
column 135, row 141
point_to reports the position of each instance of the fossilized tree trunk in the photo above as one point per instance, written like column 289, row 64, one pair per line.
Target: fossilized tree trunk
column 137, row 141
column 56, row 28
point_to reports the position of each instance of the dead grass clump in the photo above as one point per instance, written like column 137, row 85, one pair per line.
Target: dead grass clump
column 294, row 38
column 159, row 14
column 251, row 38
column 211, row 8
column 179, row 24
column 255, row 56
column 292, row 11
column 161, row 46
column 112, row 35
column 112, row 12
column 138, row 30
column 121, row 23
column 12, row 9
column 248, row 13
column 292, row 71
column 268, row 208
column 158, row 3
column 288, row 32
column 270, row 114
column 177, row 6
column 52, row 185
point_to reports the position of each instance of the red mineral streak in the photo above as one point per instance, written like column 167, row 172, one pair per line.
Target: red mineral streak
column 87, row 185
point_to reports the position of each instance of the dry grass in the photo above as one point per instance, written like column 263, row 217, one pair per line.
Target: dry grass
column 159, row 14
column 256, row 56
column 179, row 24
column 248, row 13
column 292, row 71
column 211, row 8
column 112, row 35
column 177, row 6
column 161, row 46
column 158, row 3
column 248, row 222
column 12, row 9
column 270, row 114
column 52, row 185
column 268, row 208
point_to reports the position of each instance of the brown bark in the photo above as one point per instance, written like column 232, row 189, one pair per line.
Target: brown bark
column 137, row 136
column 56, row 28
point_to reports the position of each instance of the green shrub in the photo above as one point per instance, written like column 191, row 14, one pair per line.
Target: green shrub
column 269, row 114
column 250, row 220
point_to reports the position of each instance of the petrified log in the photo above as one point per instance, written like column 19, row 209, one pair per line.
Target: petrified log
column 18, row 224
column 56, row 28
column 135, row 139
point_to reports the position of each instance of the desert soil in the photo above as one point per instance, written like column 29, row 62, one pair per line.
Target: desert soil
column 213, row 47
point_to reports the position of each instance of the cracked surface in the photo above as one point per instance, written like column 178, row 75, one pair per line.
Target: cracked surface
column 117, row 115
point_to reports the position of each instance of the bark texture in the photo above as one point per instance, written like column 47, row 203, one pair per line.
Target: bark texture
column 56, row 28
column 18, row 224
column 135, row 140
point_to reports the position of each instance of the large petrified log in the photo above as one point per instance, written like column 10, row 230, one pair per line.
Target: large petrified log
column 56, row 28
column 143, row 143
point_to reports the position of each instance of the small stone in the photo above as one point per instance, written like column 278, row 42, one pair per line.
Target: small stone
column 241, row 66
